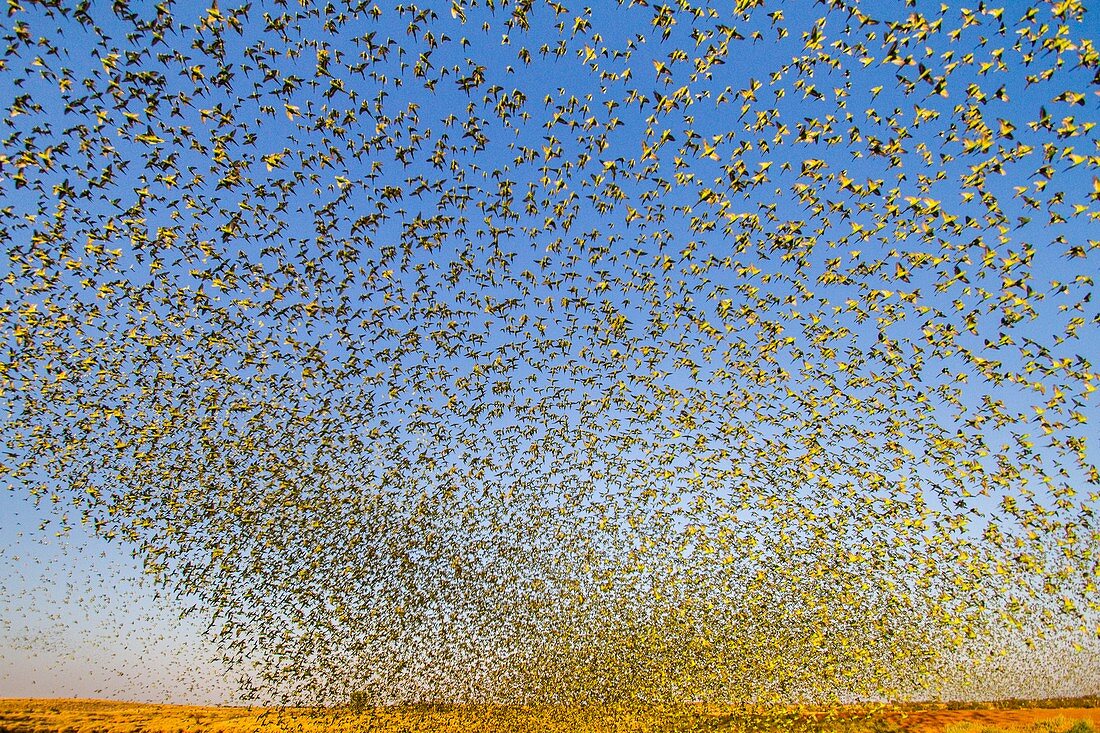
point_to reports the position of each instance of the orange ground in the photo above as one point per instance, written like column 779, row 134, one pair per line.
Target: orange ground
column 933, row 721
column 101, row 716
column 94, row 716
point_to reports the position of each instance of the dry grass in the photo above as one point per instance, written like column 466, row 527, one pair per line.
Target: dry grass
column 1020, row 720
column 99, row 716
column 93, row 716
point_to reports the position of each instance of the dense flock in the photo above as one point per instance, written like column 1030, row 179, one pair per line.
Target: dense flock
column 534, row 353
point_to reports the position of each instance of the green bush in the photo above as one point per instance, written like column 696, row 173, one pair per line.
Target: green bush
column 359, row 701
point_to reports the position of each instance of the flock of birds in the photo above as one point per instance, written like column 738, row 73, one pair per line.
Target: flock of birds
column 515, row 351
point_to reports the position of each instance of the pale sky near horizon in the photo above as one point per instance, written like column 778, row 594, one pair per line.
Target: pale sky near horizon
column 78, row 619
